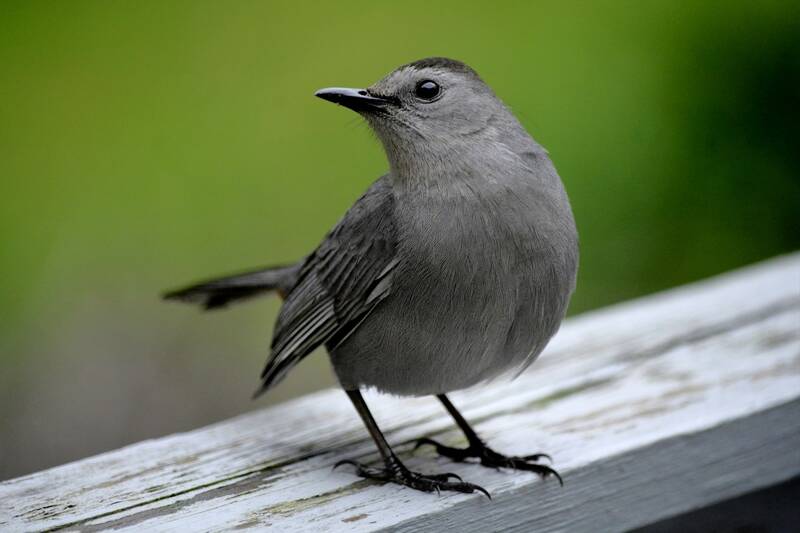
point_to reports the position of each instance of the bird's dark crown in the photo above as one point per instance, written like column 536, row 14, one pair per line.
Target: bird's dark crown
column 443, row 63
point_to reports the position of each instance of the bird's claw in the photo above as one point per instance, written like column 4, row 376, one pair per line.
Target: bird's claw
column 396, row 472
column 491, row 458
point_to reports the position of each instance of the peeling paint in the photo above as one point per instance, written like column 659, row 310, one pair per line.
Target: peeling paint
column 355, row 518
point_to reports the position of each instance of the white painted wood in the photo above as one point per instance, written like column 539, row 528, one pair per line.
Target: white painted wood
column 650, row 409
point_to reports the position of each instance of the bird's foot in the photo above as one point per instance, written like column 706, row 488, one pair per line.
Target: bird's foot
column 491, row 458
column 396, row 472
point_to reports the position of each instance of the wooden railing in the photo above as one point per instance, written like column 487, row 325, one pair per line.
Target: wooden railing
column 652, row 408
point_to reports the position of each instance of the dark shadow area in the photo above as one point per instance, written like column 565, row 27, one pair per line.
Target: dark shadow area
column 772, row 510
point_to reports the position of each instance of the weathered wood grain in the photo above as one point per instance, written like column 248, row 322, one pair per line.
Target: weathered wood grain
column 650, row 409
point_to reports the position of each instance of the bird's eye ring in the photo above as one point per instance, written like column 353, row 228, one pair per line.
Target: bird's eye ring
column 427, row 90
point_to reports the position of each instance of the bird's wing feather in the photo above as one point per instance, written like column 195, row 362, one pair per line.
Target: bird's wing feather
column 340, row 283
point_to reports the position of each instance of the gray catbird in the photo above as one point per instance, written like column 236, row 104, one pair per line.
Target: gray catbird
column 454, row 267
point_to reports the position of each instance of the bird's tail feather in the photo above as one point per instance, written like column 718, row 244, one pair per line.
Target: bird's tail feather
column 217, row 293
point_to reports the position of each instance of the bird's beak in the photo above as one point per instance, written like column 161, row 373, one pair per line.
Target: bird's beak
column 355, row 99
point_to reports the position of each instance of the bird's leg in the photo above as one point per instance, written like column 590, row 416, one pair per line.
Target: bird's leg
column 394, row 470
column 478, row 449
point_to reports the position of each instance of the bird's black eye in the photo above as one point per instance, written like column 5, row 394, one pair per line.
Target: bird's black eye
column 427, row 90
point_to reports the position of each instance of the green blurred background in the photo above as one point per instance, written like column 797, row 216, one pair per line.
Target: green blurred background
column 147, row 144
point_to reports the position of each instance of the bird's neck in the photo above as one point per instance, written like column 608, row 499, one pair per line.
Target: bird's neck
column 439, row 164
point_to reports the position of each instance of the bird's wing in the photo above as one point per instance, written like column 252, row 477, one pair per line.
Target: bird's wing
column 339, row 284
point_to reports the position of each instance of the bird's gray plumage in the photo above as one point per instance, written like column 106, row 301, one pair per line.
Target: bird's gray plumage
column 454, row 267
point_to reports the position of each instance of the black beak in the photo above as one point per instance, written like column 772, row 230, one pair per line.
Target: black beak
column 355, row 99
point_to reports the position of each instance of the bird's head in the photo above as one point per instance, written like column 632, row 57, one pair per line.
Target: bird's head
column 428, row 109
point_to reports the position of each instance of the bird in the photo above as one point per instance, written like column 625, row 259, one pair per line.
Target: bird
column 454, row 268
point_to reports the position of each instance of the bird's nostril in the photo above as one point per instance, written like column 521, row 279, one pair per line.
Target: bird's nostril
column 362, row 92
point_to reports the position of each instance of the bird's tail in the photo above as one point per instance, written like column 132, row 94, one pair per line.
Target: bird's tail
column 217, row 293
